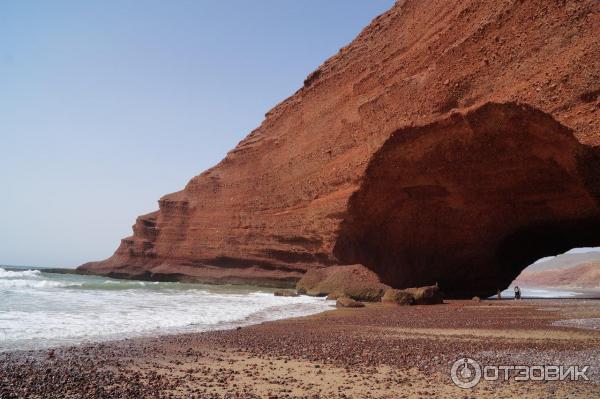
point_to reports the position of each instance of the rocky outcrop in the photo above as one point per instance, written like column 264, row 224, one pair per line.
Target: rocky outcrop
column 564, row 261
column 430, row 295
column 398, row 297
column 345, row 302
column 500, row 185
column 286, row 293
column 585, row 275
column 450, row 142
column 353, row 281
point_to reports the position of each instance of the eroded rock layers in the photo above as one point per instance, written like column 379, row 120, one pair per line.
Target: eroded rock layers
column 450, row 142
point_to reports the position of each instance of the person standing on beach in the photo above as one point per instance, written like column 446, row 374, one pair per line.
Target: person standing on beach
column 517, row 292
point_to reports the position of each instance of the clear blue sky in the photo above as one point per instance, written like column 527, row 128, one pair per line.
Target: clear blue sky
column 107, row 105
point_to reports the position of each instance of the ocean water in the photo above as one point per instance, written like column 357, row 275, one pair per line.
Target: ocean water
column 41, row 310
column 527, row 292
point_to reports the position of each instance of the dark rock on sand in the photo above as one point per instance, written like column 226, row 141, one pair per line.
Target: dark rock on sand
column 345, row 302
column 354, row 281
column 286, row 293
column 430, row 295
column 334, row 295
column 398, row 297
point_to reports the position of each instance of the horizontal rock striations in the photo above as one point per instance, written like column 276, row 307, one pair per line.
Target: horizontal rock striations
column 450, row 142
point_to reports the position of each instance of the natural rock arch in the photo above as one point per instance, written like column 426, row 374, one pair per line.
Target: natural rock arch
column 471, row 200
column 278, row 205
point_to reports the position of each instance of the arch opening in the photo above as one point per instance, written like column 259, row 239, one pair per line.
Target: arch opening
column 575, row 273
column 471, row 200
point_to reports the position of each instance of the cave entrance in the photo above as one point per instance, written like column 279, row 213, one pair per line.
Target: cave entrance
column 471, row 200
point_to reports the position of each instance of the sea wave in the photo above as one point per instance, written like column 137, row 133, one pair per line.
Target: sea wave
column 21, row 283
column 14, row 274
column 118, row 285
column 37, row 317
column 527, row 292
column 12, row 283
column 39, row 309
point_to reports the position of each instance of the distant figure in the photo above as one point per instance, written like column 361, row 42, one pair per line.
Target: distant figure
column 499, row 294
column 517, row 292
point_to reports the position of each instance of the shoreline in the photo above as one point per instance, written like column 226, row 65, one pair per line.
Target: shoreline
column 245, row 323
column 581, row 292
column 376, row 351
column 266, row 315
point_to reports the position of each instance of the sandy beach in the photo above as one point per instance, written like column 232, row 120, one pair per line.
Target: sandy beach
column 380, row 351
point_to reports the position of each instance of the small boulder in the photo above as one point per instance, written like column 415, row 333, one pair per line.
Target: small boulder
column 428, row 295
column 476, row 299
column 354, row 281
column 285, row 293
column 334, row 295
column 345, row 302
column 397, row 297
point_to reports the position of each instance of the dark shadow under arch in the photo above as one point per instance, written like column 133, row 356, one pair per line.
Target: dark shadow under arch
column 471, row 200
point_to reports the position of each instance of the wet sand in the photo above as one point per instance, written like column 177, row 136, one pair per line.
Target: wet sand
column 374, row 352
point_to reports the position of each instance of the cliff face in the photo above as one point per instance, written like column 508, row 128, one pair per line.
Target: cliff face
column 449, row 142
column 585, row 275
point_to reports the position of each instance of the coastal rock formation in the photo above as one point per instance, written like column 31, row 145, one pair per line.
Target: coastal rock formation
column 500, row 186
column 430, row 295
column 286, row 293
column 565, row 261
column 450, row 142
column 354, row 281
column 586, row 275
column 345, row 302
column 398, row 297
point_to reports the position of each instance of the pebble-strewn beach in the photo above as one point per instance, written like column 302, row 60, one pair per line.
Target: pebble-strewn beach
column 373, row 352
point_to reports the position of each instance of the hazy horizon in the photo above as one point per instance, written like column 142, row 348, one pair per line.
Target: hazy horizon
column 108, row 106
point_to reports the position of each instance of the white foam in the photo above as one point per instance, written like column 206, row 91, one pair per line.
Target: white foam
column 47, row 310
column 539, row 293
column 15, row 274
column 19, row 283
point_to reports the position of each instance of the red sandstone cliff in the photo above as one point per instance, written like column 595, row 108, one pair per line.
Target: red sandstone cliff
column 585, row 275
column 450, row 142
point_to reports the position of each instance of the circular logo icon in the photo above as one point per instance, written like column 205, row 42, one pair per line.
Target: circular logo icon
column 465, row 373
